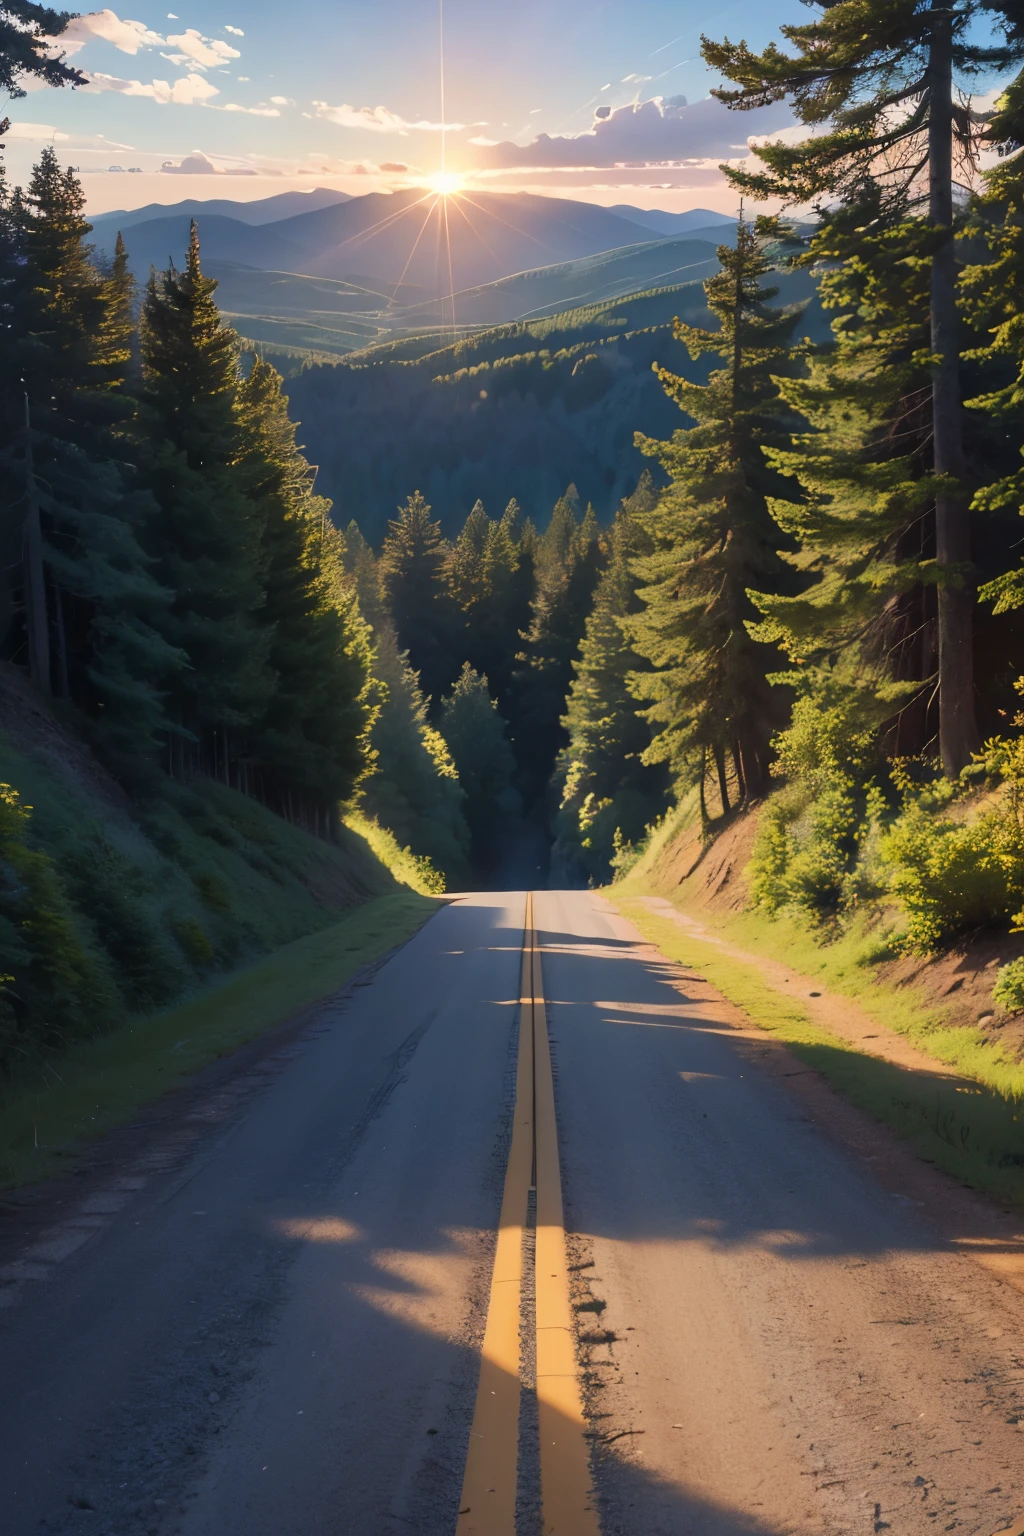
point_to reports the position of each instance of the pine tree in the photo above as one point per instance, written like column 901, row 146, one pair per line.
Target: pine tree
column 312, row 737
column 413, row 789
column 363, row 569
column 464, row 566
column 27, row 33
column 884, row 79
column 475, row 735
column 993, row 294
column 412, row 568
column 607, row 793
column 862, row 618
column 207, row 537
column 93, row 595
column 713, row 537
column 567, row 562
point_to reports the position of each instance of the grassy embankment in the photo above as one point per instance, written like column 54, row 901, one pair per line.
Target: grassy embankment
column 972, row 1126
column 139, row 942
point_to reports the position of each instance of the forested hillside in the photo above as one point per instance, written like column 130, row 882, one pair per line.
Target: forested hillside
column 519, row 411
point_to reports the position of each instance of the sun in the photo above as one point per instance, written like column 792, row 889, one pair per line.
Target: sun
column 445, row 183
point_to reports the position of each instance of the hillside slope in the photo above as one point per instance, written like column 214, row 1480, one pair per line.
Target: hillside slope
column 110, row 910
column 519, row 410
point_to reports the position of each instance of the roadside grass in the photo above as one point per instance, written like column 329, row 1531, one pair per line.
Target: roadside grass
column 974, row 1130
column 100, row 1083
column 846, row 965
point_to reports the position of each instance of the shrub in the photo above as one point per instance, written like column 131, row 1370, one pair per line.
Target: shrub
column 212, row 892
column 53, row 988
column 954, row 876
column 109, row 888
column 194, row 944
column 1008, row 991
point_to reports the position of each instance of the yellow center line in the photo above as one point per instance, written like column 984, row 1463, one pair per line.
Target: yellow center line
column 487, row 1505
column 568, row 1507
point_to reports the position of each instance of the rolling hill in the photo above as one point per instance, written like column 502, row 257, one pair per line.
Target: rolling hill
column 514, row 410
column 330, row 315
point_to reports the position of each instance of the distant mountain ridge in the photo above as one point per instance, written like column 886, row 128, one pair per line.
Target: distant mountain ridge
column 392, row 237
column 261, row 210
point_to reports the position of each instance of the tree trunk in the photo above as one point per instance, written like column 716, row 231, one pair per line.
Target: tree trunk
column 63, row 685
column 703, row 790
column 741, row 782
column 37, row 621
column 958, row 730
column 723, row 782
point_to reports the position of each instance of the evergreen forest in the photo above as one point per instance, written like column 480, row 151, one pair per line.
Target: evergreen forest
column 785, row 572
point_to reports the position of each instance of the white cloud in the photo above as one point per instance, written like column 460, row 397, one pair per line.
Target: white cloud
column 35, row 133
column 655, row 132
column 203, row 51
column 237, row 31
column 378, row 120
column 282, row 101
column 128, row 36
column 635, row 79
column 198, row 164
column 190, row 91
column 233, row 106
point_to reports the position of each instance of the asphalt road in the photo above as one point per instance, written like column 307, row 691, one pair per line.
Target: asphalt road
column 277, row 1331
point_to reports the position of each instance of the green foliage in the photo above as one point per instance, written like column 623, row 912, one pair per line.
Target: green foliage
column 475, row 736
column 412, row 574
column 54, row 988
column 608, row 794
column 952, row 877
column 413, row 789
column 712, row 537
column 196, row 947
column 1008, row 991
column 413, row 869
column 566, row 563
column 28, row 34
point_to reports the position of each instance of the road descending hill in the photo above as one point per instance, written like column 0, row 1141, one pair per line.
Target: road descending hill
column 445, row 1262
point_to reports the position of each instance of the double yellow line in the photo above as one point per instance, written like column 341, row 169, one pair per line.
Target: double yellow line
column 488, row 1503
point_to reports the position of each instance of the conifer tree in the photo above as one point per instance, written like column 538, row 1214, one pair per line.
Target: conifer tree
column 567, row 562
column 27, row 33
column 312, row 737
column 464, row 566
column 207, row 537
column 607, row 793
column 412, row 568
column 713, row 537
column 993, row 295
column 100, row 602
column 860, row 619
column 363, row 569
column 878, row 84
column 475, row 735
column 413, row 788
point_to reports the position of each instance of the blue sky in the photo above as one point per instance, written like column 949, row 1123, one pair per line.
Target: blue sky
column 257, row 97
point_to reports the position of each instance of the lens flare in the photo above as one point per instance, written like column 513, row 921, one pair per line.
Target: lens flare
column 445, row 183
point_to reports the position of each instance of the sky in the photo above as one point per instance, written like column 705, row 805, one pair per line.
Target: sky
column 596, row 99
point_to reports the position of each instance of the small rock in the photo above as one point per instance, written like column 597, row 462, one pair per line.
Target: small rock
column 214, row 1397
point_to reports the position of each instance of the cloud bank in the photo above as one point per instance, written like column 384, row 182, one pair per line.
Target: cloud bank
column 656, row 132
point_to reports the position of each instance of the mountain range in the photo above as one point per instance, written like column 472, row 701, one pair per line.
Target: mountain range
column 408, row 237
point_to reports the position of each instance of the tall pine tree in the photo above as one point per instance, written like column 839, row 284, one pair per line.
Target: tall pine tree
column 878, row 86
column 607, row 793
column 713, row 537
column 412, row 569
column 207, row 539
